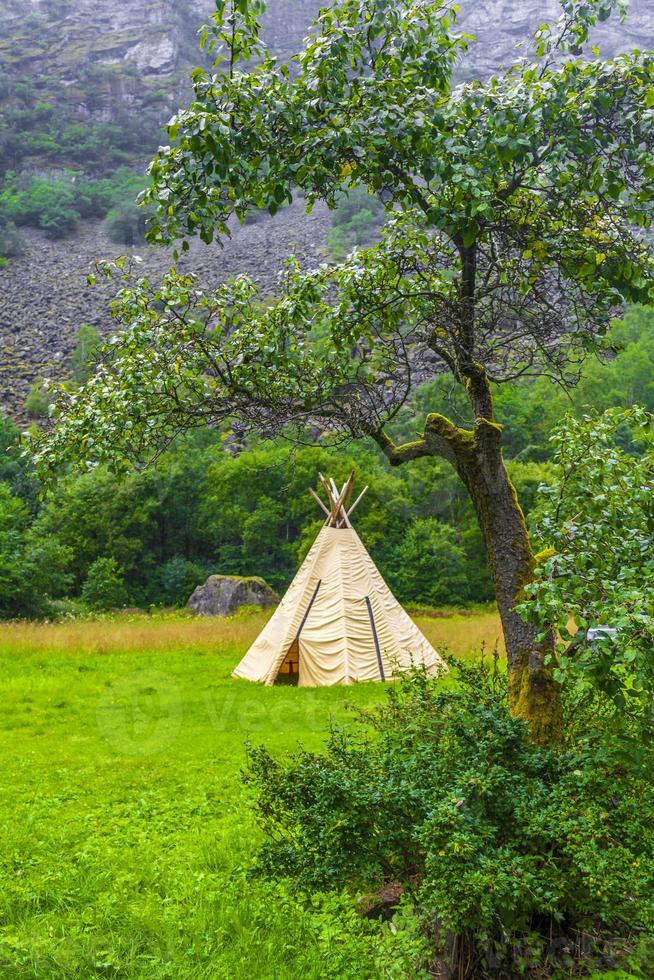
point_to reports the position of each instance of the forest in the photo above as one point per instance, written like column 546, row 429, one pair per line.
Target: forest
column 220, row 501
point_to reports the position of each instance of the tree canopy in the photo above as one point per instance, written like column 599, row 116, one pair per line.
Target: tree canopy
column 518, row 211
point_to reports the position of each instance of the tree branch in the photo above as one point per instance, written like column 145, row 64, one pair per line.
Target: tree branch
column 403, row 453
column 441, row 437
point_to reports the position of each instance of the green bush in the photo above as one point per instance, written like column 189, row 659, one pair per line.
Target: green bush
column 13, row 579
column 515, row 855
column 597, row 524
column 176, row 579
column 104, row 587
column 126, row 224
column 11, row 240
column 57, row 206
column 38, row 401
column 355, row 221
column 84, row 354
column 31, row 570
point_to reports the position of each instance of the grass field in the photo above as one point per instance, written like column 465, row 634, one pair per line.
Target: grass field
column 126, row 833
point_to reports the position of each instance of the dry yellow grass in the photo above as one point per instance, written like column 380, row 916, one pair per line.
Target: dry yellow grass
column 462, row 633
column 159, row 633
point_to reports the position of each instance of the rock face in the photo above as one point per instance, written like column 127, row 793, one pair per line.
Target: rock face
column 223, row 594
column 101, row 54
column 498, row 26
column 97, row 56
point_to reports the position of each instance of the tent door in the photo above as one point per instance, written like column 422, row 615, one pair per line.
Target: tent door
column 289, row 672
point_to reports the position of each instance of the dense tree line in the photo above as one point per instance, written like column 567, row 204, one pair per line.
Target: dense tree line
column 211, row 505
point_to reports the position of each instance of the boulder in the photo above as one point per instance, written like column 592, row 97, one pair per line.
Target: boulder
column 223, row 594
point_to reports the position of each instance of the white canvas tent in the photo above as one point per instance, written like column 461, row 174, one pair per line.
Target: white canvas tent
column 338, row 623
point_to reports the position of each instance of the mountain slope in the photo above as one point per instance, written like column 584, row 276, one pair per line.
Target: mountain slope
column 109, row 60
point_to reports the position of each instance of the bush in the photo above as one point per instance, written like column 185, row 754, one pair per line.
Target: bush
column 104, row 587
column 31, row 571
column 44, row 204
column 11, row 240
column 126, row 224
column 38, row 401
column 515, row 855
column 84, row 354
column 355, row 221
column 597, row 567
column 57, row 206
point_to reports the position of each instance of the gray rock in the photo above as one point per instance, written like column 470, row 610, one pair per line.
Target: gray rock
column 223, row 594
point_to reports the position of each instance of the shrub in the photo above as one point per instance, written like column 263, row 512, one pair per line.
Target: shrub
column 596, row 523
column 47, row 205
column 176, row 579
column 38, row 401
column 31, row 571
column 355, row 221
column 57, row 206
column 11, row 240
column 104, row 587
column 513, row 853
column 83, row 357
column 126, row 224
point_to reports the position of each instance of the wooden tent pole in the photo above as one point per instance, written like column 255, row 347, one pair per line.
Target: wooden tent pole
column 360, row 497
column 337, row 500
column 328, row 491
column 345, row 493
column 320, row 503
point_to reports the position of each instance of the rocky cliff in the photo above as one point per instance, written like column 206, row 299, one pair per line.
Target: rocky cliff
column 500, row 25
column 99, row 54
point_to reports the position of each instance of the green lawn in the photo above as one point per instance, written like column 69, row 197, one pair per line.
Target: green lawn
column 125, row 829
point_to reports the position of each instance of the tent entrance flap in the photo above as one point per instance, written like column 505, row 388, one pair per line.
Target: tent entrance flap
column 289, row 671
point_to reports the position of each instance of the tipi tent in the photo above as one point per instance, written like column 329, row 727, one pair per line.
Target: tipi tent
column 338, row 623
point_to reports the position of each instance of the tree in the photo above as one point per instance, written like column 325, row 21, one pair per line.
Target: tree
column 598, row 521
column 431, row 565
column 87, row 345
column 31, row 570
column 104, row 587
column 517, row 218
column 38, row 401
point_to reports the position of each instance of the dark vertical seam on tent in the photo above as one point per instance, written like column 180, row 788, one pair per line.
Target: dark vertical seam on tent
column 374, row 636
column 304, row 618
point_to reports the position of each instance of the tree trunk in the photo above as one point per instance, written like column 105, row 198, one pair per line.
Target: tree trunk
column 533, row 693
column 476, row 456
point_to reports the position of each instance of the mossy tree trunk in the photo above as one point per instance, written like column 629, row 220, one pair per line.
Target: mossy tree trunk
column 476, row 455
